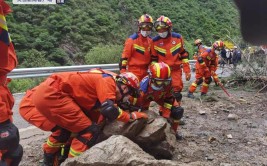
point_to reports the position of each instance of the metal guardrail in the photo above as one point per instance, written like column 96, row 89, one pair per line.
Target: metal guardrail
column 46, row 71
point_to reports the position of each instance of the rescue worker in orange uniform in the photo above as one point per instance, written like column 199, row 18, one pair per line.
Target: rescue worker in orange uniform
column 157, row 87
column 200, row 47
column 206, row 67
column 168, row 47
column 10, row 150
column 136, row 53
column 76, row 102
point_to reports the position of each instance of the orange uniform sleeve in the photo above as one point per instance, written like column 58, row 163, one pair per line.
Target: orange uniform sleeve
column 185, row 62
column 126, row 54
column 124, row 116
column 184, row 55
column 201, row 59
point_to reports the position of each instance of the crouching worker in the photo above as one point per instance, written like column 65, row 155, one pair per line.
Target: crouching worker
column 157, row 87
column 77, row 102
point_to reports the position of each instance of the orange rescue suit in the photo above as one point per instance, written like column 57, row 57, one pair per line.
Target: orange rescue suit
column 171, row 51
column 71, row 100
column 136, row 55
column 206, row 67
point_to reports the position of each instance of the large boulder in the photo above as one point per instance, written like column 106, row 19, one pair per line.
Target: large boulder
column 116, row 150
column 153, row 135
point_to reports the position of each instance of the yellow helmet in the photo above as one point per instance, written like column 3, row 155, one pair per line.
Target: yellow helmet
column 145, row 21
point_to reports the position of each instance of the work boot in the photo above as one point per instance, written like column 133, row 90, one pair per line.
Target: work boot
column 190, row 95
column 179, row 136
column 48, row 159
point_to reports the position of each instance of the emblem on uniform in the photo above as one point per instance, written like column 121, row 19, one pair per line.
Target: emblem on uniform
column 4, row 134
column 161, row 44
column 173, row 42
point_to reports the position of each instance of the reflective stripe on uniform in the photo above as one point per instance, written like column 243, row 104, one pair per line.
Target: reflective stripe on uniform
column 185, row 61
column 74, row 153
column 120, row 113
column 124, row 62
column 161, row 50
column 205, row 84
column 139, row 47
column 3, row 22
column 194, row 84
column 53, row 145
column 175, row 48
column 167, row 105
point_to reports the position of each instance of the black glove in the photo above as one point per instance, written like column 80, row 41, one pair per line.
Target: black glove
column 177, row 112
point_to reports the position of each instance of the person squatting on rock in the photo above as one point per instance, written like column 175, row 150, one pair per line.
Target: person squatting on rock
column 156, row 86
column 136, row 53
column 168, row 47
column 10, row 150
column 206, row 67
column 77, row 102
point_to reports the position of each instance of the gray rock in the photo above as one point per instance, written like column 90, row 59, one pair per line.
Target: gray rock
column 232, row 117
column 117, row 150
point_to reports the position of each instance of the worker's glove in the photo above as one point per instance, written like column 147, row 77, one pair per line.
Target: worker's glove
column 177, row 112
column 137, row 115
column 122, row 70
column 187, row 76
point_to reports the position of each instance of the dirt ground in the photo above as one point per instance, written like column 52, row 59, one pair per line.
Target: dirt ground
column 212, row 138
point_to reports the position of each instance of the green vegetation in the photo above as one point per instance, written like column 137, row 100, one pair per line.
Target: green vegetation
column 21, row 85
column 55, row 35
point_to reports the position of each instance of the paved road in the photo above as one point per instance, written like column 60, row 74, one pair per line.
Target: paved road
column 21, row 123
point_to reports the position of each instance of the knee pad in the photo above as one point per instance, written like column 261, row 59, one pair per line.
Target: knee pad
column 14, row 155
column 199, row 81
column 178, row 96
column 94, row 129
column 208, row 80
column 63, row 136
column 9, row 136
column 109, row 110
column 177, row 112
